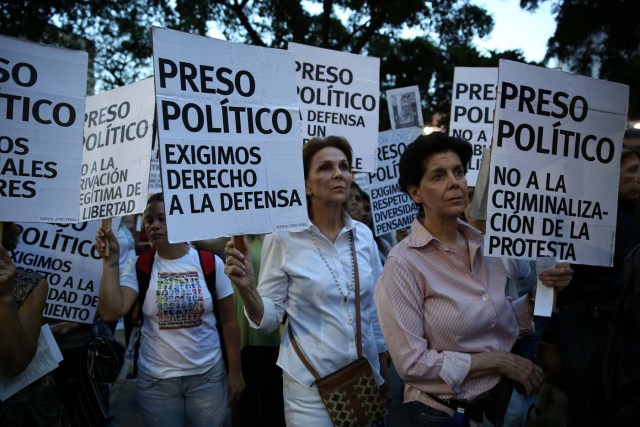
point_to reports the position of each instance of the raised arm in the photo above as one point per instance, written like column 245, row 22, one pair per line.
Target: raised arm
column 20, row 326
column 114, row 301
column 239, row 269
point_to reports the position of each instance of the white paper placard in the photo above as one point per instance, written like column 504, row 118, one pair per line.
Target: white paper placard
column 555, row 163
column 472, row 105
column 118, row 137
column 391, row 208
column 339, row 95
column 65, row 255
column 229, row 128
column 42, row 93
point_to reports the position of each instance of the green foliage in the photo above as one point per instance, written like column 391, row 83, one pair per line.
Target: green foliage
column 117, row 33
column 599, row 38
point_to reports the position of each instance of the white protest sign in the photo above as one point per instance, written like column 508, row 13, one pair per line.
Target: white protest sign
column 472, row 104
column 555, row 163
column 229, row 137
column 404, row 107
column 42, row 92
column 64, row 254
column 155, row 181
column 338, row 95
column 117, row 150
column 391, row 208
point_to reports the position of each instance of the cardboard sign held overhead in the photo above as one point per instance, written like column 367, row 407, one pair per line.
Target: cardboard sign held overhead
column 42, row 94
column 472, row 106
column 116, row 152
column 338, row 95
column 555, row 162
column 230, row 152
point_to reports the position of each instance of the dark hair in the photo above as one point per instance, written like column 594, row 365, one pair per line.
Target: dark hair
column 415, row 157
column 157, row 197
column 316, row 144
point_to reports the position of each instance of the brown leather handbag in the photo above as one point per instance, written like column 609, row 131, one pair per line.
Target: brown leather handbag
column 350, row 394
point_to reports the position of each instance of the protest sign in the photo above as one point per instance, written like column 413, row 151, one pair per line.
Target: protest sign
column 338, row 95
column 555, row 164
column 42, row 93
column 117, row 151
column 404, row 107
column 391, row 208
column 472, row 105
column 155, row 182
column 65, row 255
column 229, row 130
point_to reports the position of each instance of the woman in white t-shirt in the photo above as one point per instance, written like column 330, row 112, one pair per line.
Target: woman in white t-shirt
column 181, row 372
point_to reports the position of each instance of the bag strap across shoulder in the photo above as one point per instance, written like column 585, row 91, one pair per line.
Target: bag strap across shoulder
column 294, row 343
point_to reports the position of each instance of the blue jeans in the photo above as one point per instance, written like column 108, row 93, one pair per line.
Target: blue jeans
column 421, row 415
column 516, row 414
column 200, row 399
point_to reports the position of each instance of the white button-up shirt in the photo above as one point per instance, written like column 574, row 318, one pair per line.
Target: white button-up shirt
column 294, row 279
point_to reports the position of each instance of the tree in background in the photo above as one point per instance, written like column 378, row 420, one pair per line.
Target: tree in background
column 419, row 42
column 599, row 38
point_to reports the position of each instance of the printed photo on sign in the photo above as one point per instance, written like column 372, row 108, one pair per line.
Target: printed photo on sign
column 43, row 88
column 116, row 151
column 555, row 163
column 229, row 125
column 472, row 105
column 338, row 94
column 404, row 107
column 391, row 208
column 64, row 254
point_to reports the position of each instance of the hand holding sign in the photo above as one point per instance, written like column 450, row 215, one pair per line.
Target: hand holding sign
column 107, row 245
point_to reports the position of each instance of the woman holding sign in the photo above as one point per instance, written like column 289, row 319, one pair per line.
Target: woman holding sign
column 442, row 304
column 318, row 278
column 180, row 368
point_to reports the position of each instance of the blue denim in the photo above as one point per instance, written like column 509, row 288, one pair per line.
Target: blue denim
column 200, row 399
column 517, row 412
column 421, row 415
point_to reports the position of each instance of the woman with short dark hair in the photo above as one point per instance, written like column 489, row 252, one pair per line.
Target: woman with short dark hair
column 442, row 304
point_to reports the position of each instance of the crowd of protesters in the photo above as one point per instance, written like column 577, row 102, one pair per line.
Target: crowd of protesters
column 432, row 306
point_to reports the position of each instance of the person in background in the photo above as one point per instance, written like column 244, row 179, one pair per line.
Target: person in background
column 442, row 305
column 23, row 294
column 587, row 306
column 310, row 276
column 181, row 371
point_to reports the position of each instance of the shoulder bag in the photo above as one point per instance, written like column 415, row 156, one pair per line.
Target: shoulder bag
column 350, row 394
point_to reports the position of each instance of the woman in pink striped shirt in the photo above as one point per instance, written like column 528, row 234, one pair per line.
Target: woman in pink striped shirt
column 442, row 306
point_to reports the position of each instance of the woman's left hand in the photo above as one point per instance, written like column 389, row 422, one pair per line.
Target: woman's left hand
column 558, row 277
column 235, row 386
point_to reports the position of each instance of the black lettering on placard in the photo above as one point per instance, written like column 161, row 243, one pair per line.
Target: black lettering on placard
column 516, row 223
column 250, row 200
column 530, row 248
column 547, row 204
column 332, row 97
column 477, row 91
column 59, row 241
column 323, row 73
column 566, row 143
column 544, row 102
column 335, row 118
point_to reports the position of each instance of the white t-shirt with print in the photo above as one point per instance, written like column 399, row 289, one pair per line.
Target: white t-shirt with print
column 179, row 335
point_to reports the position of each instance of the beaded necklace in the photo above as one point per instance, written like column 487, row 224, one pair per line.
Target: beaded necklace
column 351, row 286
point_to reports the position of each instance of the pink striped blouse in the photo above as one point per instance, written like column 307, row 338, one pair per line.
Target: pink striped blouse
column 434, row 312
